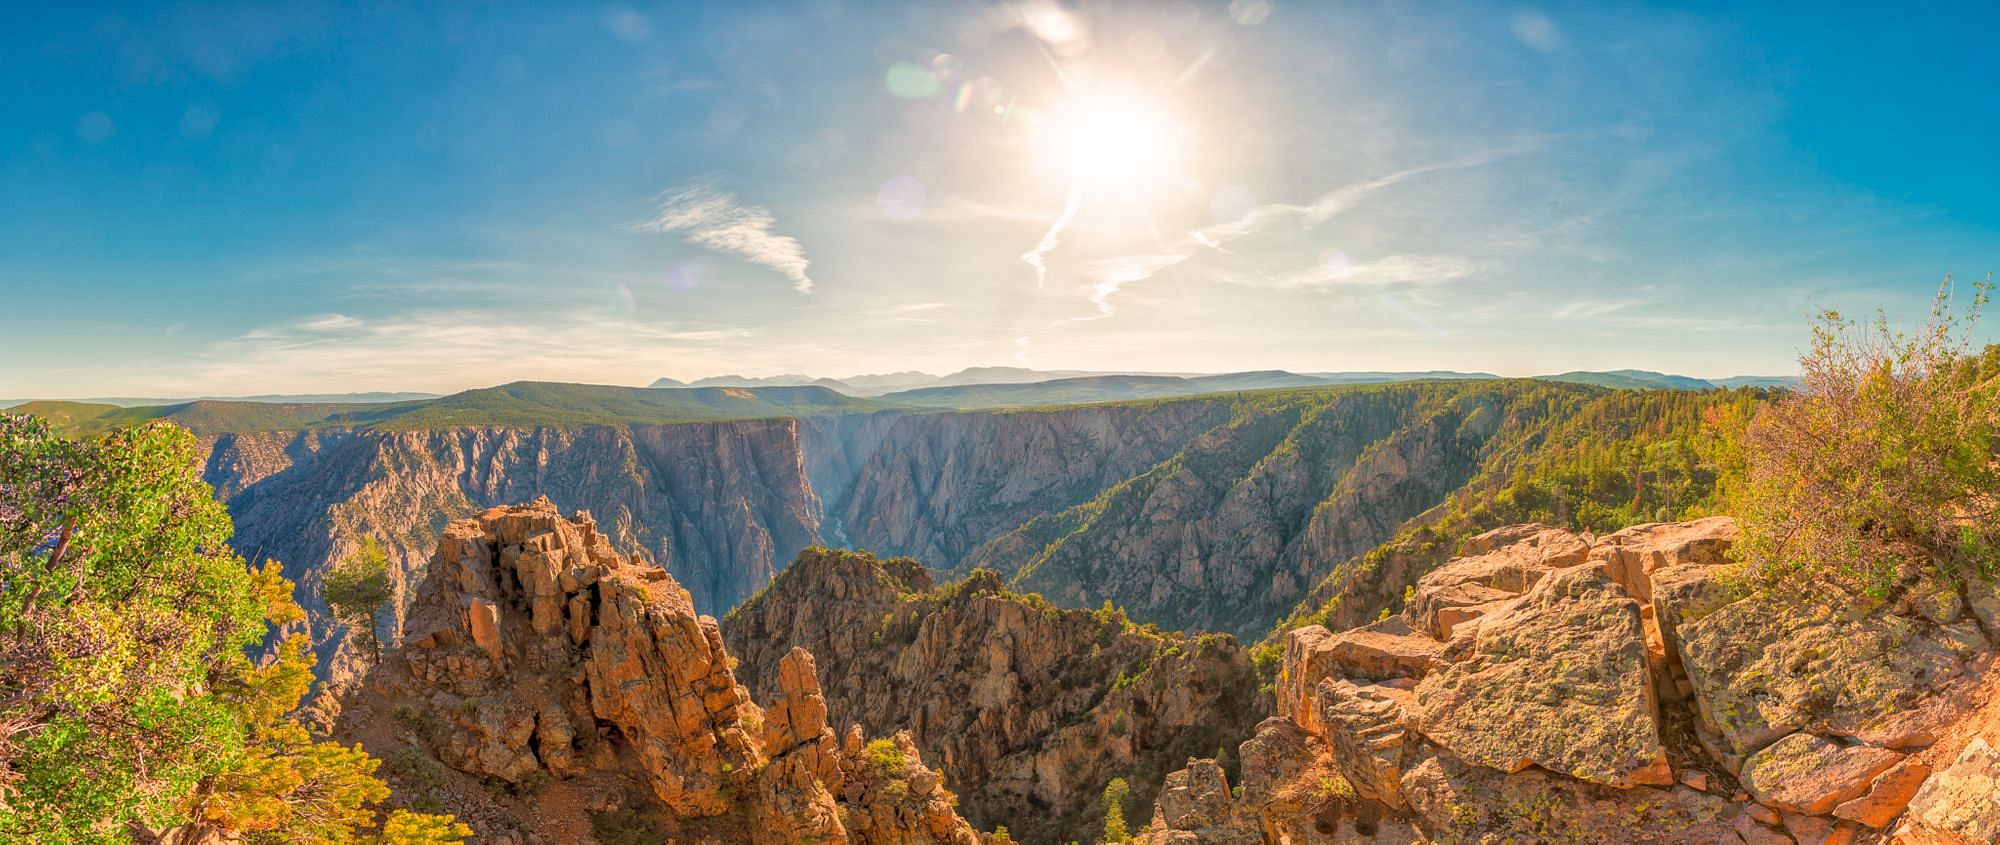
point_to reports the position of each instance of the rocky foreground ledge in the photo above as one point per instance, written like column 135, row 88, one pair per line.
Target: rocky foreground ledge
column 564, row 690
column 1550, row 687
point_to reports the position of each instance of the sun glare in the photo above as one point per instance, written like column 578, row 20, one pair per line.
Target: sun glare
column 1118, row 140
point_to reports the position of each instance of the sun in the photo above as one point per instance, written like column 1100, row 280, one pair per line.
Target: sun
column 1116, row 139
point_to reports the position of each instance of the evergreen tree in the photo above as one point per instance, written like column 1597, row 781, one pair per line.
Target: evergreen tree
column 1115, row 794
column 356, row 590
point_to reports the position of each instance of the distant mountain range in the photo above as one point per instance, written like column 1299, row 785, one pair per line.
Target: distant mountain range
column 742, row 397
column 993, row 387
column 1649, row 380
column 277, row 398
column 520, row 404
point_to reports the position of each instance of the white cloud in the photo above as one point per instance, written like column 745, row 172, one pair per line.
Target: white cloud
column 329, row 323
column 713, row 219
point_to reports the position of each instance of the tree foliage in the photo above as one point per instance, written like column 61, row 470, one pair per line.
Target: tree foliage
column 1882, row 465
column 1115, row 794
column 128, row 700
column 356, row 589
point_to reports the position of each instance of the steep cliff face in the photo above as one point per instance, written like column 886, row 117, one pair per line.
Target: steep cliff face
column 1207, row 513
column 720, row 505
column 939, row 485
column 1028, row 711
column 1228, row 534
column 567, row 690
column 1553, row 688
column 1213, row 513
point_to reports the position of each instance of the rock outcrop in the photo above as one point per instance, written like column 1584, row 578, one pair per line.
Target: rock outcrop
column 1027, row 710
column 575, row 684
column 1549, row 687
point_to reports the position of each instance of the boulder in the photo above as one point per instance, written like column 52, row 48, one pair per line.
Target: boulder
column 1367, row 729
column 1499, row 565
column 1195, row 798
column 1308, row 660
column 1765, row 666
column 1803, row 773
column 1458, row 802
column 1961, row 802
column 1634, row 554
column 1557, row 678
column 1887, row 796
column 1384, row 650
column 1683, row 594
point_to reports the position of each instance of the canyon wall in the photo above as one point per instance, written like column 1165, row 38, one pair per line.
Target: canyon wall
column 1027, row 710
column 720, row 505
column 1209, row 513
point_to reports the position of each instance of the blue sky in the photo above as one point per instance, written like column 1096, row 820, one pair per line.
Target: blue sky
column 304, row 197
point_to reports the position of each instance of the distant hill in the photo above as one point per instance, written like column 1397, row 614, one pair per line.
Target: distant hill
column 1649, row 380
column 883, row 384
column 1017, row 375
column 517, row 404
column 1631, row 380
column 1734, row 382
column 783, row 380
column 1367, row 377
column 268, row 398
column 876, row 384
column 1118, row 388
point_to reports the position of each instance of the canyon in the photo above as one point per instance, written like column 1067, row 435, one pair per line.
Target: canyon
column 1209, row 513
column 1541, row 686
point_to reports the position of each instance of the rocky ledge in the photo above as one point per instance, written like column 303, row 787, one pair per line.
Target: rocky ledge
column 565, row 690
column 1551, row 687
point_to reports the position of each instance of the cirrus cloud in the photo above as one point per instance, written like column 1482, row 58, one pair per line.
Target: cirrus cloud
column 712, row 219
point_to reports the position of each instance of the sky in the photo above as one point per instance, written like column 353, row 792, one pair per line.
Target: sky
column 224, row 199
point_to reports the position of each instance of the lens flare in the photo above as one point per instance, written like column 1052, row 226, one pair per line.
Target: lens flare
column 1115, row 139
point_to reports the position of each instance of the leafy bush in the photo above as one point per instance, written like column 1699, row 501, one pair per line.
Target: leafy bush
column 406, row 828
column 885, row 758
column 127, row 698
column 1882, row 464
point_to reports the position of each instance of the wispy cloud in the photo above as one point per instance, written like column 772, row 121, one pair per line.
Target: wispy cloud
column 713, row 219
column 1586, row 309
column 329, row 323
column 1390, row 270
column 1038, row 257
column 1111, row 275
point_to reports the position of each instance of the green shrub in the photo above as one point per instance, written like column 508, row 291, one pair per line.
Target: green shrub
column 626, row 827
column 1881, row 464
column 885, row 758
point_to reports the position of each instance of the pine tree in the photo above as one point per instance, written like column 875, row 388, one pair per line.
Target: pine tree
column 1115, row 794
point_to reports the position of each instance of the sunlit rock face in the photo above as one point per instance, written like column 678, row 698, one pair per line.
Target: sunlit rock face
column 1553, row 687
column 537, row 658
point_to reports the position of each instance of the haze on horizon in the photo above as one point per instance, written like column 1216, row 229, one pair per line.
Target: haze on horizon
column 300, row 197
